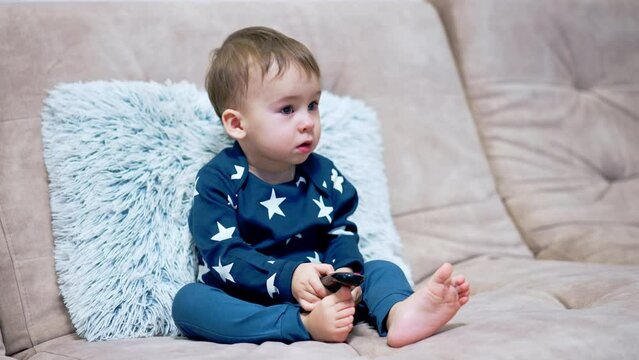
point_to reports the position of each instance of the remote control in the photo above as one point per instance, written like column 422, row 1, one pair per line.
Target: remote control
column 336, row 280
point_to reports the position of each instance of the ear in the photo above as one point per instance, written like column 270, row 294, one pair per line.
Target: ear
column 232, row 121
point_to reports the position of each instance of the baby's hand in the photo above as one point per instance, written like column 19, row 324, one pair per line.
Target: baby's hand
column 306, row 285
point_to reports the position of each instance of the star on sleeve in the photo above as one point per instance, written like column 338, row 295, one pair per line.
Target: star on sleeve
column 337, row 181
column 324, row 211
column 341, row 230
column 270, row 286
column 224, row 270
column 239, row 171
column 315, row 259
column 230, row 202
column 195, row 193
column 223, row 233
column 202, row 270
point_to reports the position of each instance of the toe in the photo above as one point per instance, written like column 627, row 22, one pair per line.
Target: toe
column 459, row 280
column 465, row 287
column 442, row 275
column 463, row 300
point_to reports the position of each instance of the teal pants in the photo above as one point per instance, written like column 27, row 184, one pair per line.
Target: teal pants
column 203, row 312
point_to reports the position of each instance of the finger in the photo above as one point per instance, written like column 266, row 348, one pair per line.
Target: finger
column 310, row 297
column 318, row 288
column 307, row 306
column 324, row 269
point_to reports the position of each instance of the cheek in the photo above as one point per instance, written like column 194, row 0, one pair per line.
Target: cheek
column 278, row 135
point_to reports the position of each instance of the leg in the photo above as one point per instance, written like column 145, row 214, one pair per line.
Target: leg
column 427, row 310
column 384, row 286
column 207, row 313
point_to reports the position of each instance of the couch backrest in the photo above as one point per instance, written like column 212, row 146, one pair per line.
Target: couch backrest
column 554, row 86
column 393, row 55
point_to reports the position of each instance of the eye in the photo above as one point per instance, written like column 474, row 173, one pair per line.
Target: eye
column 287, row 110
column 313, row 106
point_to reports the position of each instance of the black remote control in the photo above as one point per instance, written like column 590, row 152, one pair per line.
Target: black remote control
column 336, row 280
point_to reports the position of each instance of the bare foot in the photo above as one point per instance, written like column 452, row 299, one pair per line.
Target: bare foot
column 428, row 309
column 332, row 319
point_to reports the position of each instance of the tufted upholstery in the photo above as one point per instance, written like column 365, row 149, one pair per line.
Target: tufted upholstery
column 93, row 41
column 554, row 86
column 534, row 309
column 564, row 159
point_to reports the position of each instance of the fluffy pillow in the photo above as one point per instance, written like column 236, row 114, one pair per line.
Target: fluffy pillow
column 122, row 159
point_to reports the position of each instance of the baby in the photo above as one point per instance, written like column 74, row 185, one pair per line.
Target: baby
column 270, row 218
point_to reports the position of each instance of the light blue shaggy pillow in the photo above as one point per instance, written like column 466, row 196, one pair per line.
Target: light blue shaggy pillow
column 122, row 159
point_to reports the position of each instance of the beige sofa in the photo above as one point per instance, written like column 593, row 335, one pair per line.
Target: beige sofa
column 511, row 134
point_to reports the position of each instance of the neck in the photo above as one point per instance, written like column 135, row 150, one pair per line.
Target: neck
column 273, row 177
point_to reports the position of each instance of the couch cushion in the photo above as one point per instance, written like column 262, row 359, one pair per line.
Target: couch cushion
column 172, row 348
column 31, row 309
column 554, row 87
column 532, row 309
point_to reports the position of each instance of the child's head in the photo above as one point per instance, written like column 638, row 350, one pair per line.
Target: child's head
column 251, row 49
column 265, row 88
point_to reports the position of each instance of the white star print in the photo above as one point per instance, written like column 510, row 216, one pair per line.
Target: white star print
column 239, row 171
column 314, row 260
column 271, row 262
column 201, row 271
column 299, row 236
column 224, row 270
column 300, row 180
column 273, row 205
column 230, row 202
column 340, row 231
column 195, row 193
column 270, row 286
column 337, row 180
column 224, row 233
column 324, row 184
column 324, row 211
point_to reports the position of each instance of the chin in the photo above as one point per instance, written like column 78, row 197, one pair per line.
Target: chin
column 300, row 158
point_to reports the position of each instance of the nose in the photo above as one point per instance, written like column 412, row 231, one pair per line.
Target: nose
column 306, row 122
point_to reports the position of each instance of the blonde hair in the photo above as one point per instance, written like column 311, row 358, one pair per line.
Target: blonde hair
column 227, row 78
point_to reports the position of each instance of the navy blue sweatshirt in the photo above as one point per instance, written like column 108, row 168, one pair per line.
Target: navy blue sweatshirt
column 252, row 235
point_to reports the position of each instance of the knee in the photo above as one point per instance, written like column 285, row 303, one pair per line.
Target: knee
column 185, row 311
column 376, row 270
column 183, row 300
column 380, row 264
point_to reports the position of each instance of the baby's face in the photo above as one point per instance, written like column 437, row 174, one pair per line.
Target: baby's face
column 281, row 118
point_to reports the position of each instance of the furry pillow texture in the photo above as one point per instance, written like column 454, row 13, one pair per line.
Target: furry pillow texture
column 122, row 159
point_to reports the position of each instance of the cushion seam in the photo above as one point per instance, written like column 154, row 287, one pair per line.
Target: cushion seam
column 15, row 277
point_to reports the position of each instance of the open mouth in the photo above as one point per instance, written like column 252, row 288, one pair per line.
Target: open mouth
column 305, row 147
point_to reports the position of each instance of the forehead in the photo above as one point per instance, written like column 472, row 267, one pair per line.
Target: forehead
column 291, row 81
